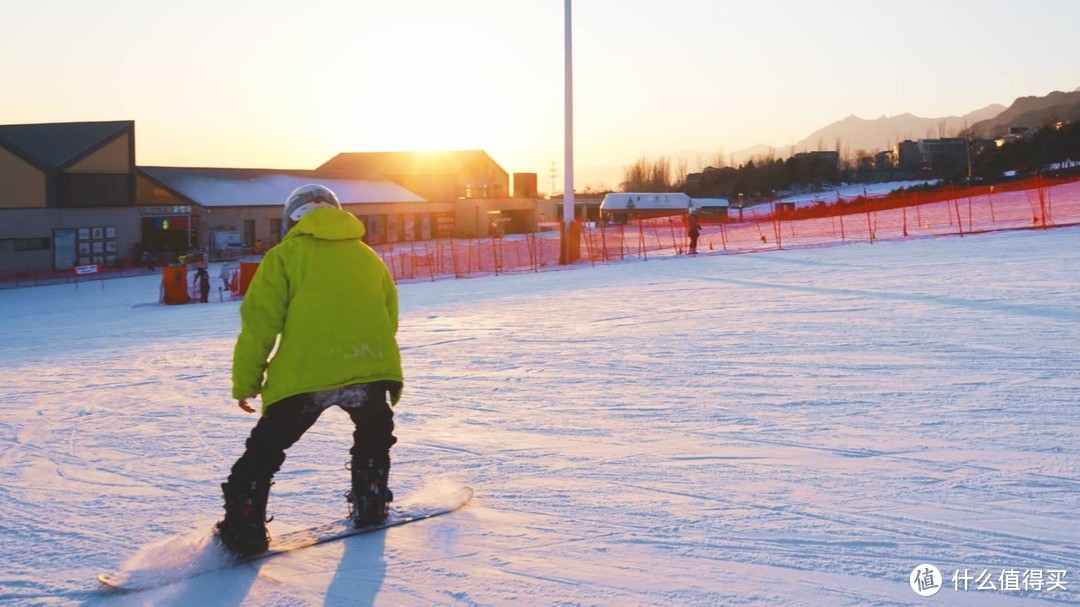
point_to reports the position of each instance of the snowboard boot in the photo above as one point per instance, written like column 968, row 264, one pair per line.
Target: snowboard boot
column 243, row 531
column 369, row 500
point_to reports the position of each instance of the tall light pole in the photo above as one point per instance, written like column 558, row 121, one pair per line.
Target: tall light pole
column 568, row 164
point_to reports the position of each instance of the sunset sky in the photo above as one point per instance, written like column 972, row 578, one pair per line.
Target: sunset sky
column 276, row 84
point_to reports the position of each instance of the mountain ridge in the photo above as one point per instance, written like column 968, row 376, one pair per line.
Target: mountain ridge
column 874, row 134
column 1031, row 111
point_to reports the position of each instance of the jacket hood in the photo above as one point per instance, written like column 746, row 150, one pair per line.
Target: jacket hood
column 328, row 224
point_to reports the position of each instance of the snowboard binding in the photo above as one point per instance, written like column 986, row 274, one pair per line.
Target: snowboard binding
column 369, row 499
column 243, row 530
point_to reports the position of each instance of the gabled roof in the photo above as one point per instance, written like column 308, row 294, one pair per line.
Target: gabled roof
column 643, row 201
column 269, row 187
column 409, row 163
column 56, row 145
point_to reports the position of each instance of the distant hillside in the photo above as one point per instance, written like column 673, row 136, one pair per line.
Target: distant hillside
column 1031, row 112
column 856, row 133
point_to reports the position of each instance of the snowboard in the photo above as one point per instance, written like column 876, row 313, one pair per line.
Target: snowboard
column 146, row 579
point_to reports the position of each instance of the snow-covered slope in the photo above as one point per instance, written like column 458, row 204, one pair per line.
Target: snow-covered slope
column 785, row 428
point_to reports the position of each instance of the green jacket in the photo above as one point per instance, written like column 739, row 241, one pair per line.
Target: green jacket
column 332, row 302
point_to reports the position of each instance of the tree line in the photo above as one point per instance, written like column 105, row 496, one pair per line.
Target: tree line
column 756, row 177
column 760, row 177
column 1049, row 145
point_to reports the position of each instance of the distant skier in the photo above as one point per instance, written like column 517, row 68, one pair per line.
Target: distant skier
column 693, row 229
column 148, row 260
column 225, row 276
column 202, row 277
column 334, row 305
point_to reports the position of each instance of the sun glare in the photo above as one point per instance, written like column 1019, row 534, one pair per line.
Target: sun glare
column 437, row 113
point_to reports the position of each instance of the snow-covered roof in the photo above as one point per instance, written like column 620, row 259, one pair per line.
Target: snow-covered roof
column 704, row 203
column 850, row 191
column 269, row 187
column 644, row 201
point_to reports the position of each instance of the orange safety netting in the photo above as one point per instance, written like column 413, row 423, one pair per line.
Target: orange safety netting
column 1034, row 203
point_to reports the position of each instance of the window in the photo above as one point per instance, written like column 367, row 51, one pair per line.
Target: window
column 95, row 190
column 33, row 244
column 249, row 233
column 275, row 231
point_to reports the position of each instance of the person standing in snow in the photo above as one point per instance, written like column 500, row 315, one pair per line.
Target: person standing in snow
column 333, row 304
column 693, row 229
column 203, row 278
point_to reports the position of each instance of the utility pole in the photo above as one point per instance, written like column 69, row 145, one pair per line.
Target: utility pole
column 568, row 164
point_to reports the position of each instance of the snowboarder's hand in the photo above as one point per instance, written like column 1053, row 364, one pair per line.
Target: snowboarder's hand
column 246, row 407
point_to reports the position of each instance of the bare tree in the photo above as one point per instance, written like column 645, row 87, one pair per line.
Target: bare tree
column 660, row 174
column 718, row 158
column 681, row 170
column 636, row 175
column 648, row 175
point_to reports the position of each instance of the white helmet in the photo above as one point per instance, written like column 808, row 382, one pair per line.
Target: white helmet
column 306, row 198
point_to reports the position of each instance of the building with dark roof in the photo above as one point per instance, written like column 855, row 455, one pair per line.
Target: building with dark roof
column 71, row 194
column 67, row 194
column 446, row 175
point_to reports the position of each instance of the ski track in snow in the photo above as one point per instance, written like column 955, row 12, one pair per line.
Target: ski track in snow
column 793, row 427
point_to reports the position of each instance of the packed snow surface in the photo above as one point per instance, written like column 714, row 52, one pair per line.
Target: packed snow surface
column 784, row 428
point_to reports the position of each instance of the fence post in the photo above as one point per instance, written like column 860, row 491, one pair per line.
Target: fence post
column 641, row 240
column 959, row 221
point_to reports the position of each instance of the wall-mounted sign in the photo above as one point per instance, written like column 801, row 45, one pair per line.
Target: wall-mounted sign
column 64, row 248
column 176, row 209
column 444, row 225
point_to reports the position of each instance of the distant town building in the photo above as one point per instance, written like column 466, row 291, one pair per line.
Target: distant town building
column 709, row 180
column 909, row 156
column 885, row 161
column 816, row 166
column 939, row 156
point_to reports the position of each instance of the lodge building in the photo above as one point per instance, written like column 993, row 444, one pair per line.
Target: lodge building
column 71, row 194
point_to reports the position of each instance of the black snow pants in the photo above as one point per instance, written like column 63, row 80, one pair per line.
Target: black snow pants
column 287, row 420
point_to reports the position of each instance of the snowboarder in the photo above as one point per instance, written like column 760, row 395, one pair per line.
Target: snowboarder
column 202, row 277
column 334, row 305
column 693, row 229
